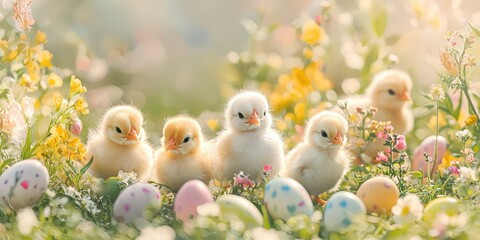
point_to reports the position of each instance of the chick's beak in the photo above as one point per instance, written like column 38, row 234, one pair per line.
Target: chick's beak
column 254, row 119
column 405, row 96
column 172, row 145
column 132, row 135
column 337, row 140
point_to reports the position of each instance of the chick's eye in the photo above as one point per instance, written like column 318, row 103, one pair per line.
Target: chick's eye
column 391, row 92
column 118, row 130
column 324, row 134
column 187, row 139
column 240, row 115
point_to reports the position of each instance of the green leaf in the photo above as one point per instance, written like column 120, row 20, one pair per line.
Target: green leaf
column 474, row 29
column 85, row 168
column 380, row 20
column 371, row 57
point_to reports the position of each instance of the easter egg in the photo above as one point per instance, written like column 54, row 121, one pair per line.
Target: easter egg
column 192, row 194
column 23, row 183
column 340, row 210
column 134, row 200
column 241, row 208
column 379, row 194
column 428, row 146
column 447, row 205
column 285, row 198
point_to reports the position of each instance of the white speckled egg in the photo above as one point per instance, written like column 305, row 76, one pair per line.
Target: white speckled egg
column 379, row 194
column 340, row 210
column 191, row 195
column 134, row 200
column 241, row 208
column 285, row 198
column 428, row 146
column 23, row 183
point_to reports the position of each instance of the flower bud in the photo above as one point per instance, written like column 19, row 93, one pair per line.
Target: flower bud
column 76, row 126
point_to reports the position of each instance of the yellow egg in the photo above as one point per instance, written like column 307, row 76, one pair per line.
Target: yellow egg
column 447, row 205
column 379, row 194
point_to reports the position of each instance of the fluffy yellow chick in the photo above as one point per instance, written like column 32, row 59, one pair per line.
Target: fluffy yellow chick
column 182, row 156
column 389, row 92
column 248, row 142
column 119, row 143
column 320, row 161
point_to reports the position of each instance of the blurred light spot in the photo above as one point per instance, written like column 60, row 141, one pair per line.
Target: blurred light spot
column 275, row 61
column 315, row 97
column 345, row 19
column 331, row 95
column 350, row 85
column 104, row 97
column 354, row 61
column 261, row 58
column 233, row 57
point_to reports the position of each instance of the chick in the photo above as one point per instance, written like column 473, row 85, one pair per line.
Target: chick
column 119, row 143
column 389, row 92
column 248, row 142
column 182, row 156
column 320, row 161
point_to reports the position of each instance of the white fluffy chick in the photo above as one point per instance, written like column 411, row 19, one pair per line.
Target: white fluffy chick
column 389, row 92
column 182, row 156
column 320, row 161
column 248, row 142
column 119, row 143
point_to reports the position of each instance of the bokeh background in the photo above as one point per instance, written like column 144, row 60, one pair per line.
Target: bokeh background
column 179, row 56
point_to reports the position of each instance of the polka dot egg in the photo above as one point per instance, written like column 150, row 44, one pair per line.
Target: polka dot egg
column 379, row 194
column 240, row 208
column 192, row 194
column 285, row 198
column 428, row 146
column 134, row 200
column 23, row 183
column 340, row 210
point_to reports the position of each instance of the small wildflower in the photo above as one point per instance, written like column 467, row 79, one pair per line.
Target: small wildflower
column 44, row 58
column 468, row 60
column 381, row 135
column 26, row 220
column 164, row 232
column 242, row 179
column 453, row 170
column 76, row 126
column 388, row 128
column 381, row 157
column 53, row 80
column 448, row 63
column 401, row 143
column 360, row 110
column 311, row 32
column 467, row 174
column 471, row 120
column 463, row 135
column 81, row 106
column 76, row 86
column 127, row 177
column 437, row 93
column 407, row 210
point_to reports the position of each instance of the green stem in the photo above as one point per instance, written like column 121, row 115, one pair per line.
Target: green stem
column 436, row 141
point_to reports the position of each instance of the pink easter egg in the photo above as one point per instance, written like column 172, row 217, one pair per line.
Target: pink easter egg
column 134, row 200
column 428, row 146
column 191, row 195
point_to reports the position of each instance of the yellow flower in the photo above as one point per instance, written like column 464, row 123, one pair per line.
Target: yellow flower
column 54, row 80
column 33, row 70
column 76, row 86
column 26, row 82
column 311, row 32
column 281, row 125
column 471, row 120
column 44, row 58
column 213, row 124
column 307, row 52
column 81, row 106
column 58, row 99
column 40, row 38
column 299, row 111
column 313, row 72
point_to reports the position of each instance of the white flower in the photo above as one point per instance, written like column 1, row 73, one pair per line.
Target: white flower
column 463, row 135
column 12, row 121
column 443, row 221
column 467, row 174
column 407, row 210
column 208, row 209
column 125, row 177
column 436, row 93
column 260, row 233
column 27, row 107
column 157, row 233
column 26, row 220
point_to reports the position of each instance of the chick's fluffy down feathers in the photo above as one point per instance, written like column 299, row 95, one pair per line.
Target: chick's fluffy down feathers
column 320, row 161
column 248, row 142
column 183, row 156
column 113, row 151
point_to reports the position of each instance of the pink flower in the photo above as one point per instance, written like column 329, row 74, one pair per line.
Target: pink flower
column 381, row 157
column 242, row 179
column 76, row 126
column 453, row 170
column 387, row 152
column 267, row 168
column 381, row 135
column 388, row 128
column 401, row 143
